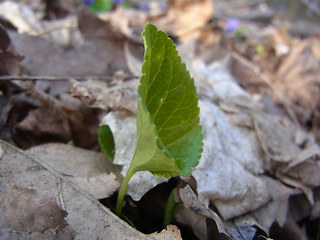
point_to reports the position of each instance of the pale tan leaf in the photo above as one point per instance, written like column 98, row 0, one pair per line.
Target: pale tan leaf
column 91, row 171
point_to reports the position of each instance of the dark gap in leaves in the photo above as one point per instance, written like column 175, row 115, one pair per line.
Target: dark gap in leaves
column 213, row 207
column 54, row 10
column 147, row 215
column 213, row 232
column 4, row 39
column 313, row 229
column 174, row 38
column 129, row 211
column 152, row 207
column 310, row 221
column 282, row 233
column 260, row 234
column 8, row 25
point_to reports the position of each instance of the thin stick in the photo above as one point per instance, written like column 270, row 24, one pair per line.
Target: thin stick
column 61, row 194
column 56, row 28
column 49, row 78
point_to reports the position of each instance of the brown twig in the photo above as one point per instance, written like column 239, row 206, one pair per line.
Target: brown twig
column 49, row 78
column 53, row 29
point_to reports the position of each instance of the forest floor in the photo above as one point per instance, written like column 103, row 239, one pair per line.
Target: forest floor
column 67, row 67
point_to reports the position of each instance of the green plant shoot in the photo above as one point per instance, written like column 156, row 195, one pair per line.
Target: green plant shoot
column 169, row 135
column 170, row 210
column 100, row 6
column 106, row 141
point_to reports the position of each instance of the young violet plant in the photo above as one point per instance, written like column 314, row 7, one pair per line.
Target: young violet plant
column 169, row 135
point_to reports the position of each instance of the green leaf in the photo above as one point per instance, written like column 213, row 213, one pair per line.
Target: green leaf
column 168, row 128
column 106, row 141
column 170, row 210
column 100, row 6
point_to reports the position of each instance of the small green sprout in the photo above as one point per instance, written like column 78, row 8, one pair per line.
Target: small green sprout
column 106, row 141
column 170, row 210
column 100, row 6
column 168, row 126
column 259, row 49
column 240, row 33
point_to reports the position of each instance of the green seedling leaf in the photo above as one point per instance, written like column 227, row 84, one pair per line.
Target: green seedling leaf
column 170, row 210
column 259, row 49
column 127, row 5
column 100, row 6
column 106, row 141
column 169, row 133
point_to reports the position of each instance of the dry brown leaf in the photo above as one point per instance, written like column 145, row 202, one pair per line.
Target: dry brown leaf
column 128, row 22
column 306, row 172
column 91, row 27
column 275, row 210
column 98, row 94
column 91, row 171
column 27, row 210
column 52, row 121
column 276, row 136
column 234, row 160
column 94, row 57
column 9, row 64
column 172, row 232
column 86, row 217
column 21, row 16
column 304, row 155
column 184, row 18
column 63, row 31
column 190, row 200
column 298, row 78
column 190, row 218
column 230, row 155
column 194, row 214
column 206, row 224
column 29, row 20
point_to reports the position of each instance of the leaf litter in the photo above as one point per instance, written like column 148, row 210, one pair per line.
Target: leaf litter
column 256, row 160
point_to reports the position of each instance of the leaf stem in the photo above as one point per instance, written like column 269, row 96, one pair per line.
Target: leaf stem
column 170, row 209
column 123, row 190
